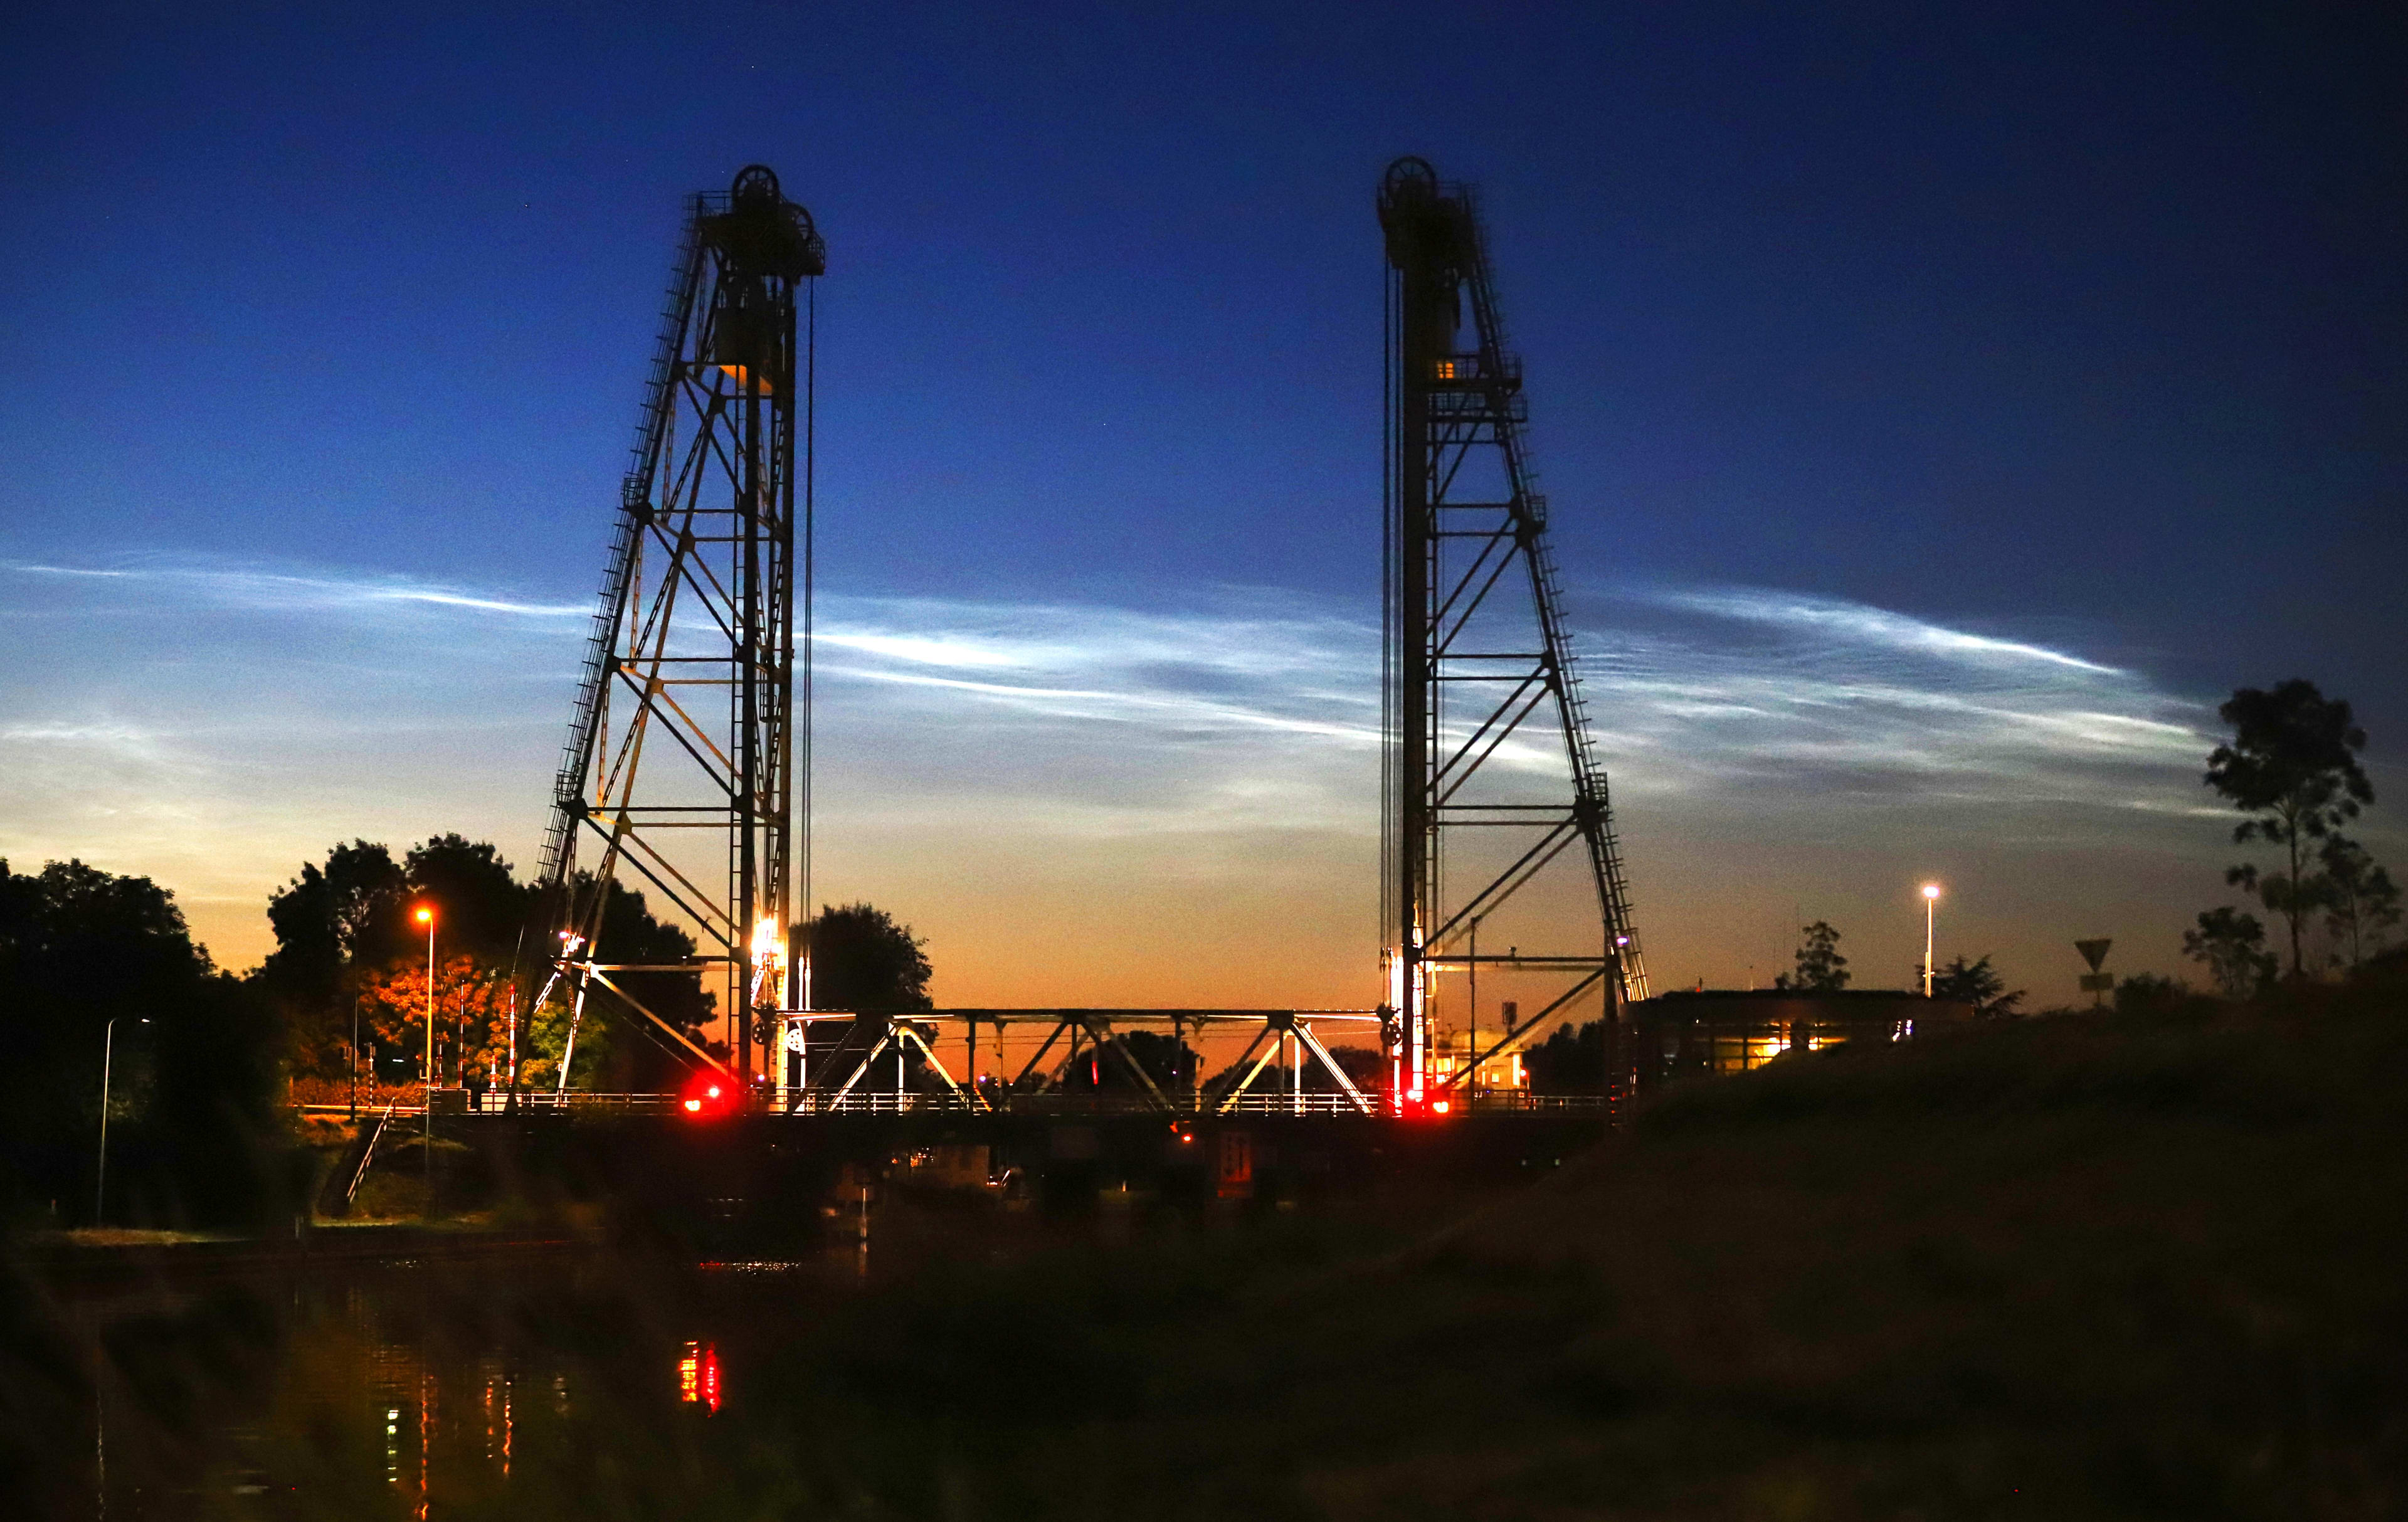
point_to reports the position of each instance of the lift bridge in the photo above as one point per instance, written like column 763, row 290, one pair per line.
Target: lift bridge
column 687, row 768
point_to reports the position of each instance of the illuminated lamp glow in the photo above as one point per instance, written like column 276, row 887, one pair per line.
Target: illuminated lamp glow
column 1440, row 1106
column 425, row 915
column 1931, row 890
column 713, row 1092
column 693, row 1106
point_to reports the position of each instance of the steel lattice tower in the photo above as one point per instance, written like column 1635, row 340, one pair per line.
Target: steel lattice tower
column 1477, row 655
column 687, row 762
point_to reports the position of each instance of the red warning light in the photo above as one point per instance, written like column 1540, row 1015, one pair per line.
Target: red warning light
column 706, row 1096
column 1440, row 1107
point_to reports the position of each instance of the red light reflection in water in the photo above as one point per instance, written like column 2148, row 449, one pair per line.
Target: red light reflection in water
column 698, row 1376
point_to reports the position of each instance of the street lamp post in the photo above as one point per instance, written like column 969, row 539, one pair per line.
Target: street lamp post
column 427, row 918
column 1471, row 1036
column 1616, row 1013
column 107, row 1051
column 1930, row 905
column 426, row 1145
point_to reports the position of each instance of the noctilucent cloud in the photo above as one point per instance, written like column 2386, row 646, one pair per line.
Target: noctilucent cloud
column 1941, row 415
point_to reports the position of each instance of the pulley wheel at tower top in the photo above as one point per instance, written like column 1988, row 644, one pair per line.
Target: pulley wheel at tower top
column 754, row 182
column 1409, row 172
column 764, row 235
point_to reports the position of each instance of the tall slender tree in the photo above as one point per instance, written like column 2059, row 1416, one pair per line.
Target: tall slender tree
column 2291, row 766
column 2233, row 946
column 2361, row 902
column 1821, row 969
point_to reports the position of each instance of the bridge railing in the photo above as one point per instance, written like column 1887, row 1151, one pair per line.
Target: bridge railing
column 1318, row 1104
column 1295, row 1104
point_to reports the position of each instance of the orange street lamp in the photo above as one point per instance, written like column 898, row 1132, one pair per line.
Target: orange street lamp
column 1930, row 904
column 427, row 918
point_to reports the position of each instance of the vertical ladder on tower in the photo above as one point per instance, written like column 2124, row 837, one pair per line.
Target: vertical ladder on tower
column 1476, row 813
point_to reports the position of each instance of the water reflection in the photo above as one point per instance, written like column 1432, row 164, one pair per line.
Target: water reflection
column 513, row 1385
column 698, row 1376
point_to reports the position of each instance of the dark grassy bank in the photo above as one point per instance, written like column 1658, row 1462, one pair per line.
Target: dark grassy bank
column 2113, row 1266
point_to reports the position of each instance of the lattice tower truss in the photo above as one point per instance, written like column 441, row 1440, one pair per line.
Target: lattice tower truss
column 687, row 767
column 1493, row 802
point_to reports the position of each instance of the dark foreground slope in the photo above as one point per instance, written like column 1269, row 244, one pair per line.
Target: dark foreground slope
column 2058, row 1270
column 2055, row 1269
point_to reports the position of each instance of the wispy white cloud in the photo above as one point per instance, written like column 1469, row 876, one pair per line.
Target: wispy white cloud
column 1846, row 625
column 315, row 703
column 241, row 587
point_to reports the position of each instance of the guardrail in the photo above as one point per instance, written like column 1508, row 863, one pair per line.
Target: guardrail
column 1295, row 1104
column 590, row 1101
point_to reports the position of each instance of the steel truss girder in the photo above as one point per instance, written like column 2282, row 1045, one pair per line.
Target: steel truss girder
column 1454, row 535
column 1101, row 1028
column 709, row 559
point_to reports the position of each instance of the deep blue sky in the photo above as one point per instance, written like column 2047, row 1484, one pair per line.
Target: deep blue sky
column 2085, row 330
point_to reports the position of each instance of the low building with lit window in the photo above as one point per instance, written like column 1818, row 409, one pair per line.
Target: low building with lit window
column 1719, row 1030
column 1502, row 1075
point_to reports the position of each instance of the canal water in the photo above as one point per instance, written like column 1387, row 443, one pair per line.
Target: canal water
column 566, row 1381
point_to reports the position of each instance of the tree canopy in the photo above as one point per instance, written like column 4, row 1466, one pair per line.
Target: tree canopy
column 347, row 940
column 862, row 959
column 2291, row 766
column 191, row 1062
column 1569, row 1061
column 2232, row 944
column 480, row 908
column 1977, row 984
column 1821, row 969
column 2361, row 902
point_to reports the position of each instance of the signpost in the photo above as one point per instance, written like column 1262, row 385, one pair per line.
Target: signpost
column 2095, row 983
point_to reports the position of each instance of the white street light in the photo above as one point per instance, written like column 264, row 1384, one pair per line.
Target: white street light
column 107, row 1050
column 1930, row 904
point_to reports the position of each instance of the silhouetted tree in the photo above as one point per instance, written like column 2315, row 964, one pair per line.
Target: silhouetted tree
column 1821, row 969
column 481, row 908
column 2360, row 900
column 2232, row 943
column 863, row 959
column 331, row 917
column 1362, row 1064
column 1569, row 1061
column 2291, row 765
column 1164, row 1059
column 1976, row 983
column 345, row 925
column 2146, row 993
column 193, row 1088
